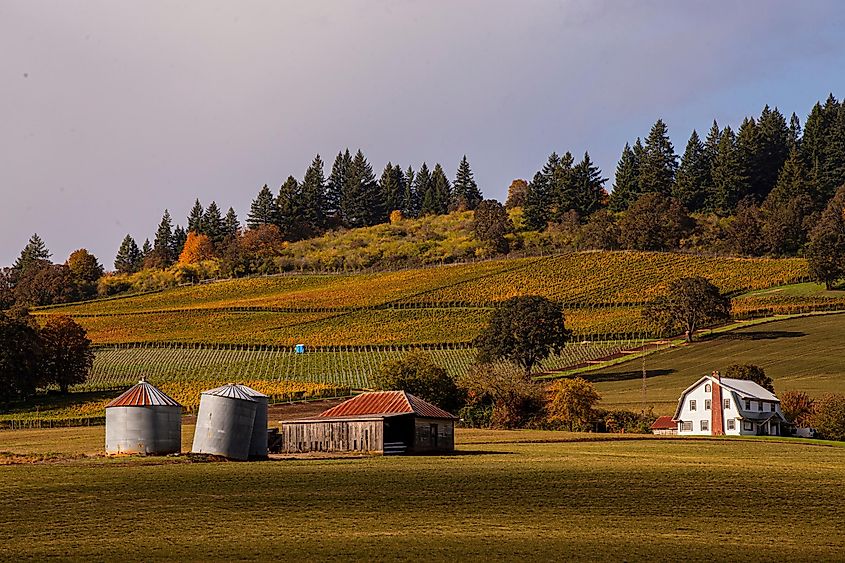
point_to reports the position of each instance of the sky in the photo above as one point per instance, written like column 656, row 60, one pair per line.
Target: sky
column 112, row 111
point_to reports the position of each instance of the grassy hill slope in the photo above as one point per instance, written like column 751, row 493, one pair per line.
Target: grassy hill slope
column 805, row 353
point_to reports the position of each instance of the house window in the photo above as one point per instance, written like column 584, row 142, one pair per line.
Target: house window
column 707, row 388
column 707, row 404
column 727, row 404
column 768, row 407
column 686, row 427
column 747, row 425
column 705, row 425
column 692, row 405
column 731, row 424
column 747, row 405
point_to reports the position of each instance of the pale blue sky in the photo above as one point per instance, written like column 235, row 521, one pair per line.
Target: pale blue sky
column 111, row 111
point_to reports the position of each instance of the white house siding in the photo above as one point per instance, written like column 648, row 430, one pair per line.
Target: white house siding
column 695, row 416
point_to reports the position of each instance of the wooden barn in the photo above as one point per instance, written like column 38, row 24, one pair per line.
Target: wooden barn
column 388, row 422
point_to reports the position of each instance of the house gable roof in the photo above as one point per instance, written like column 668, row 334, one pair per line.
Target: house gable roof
column 382, row 403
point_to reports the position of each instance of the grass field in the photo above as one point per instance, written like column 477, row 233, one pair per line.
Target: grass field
column 806, row 353
column 509, row 495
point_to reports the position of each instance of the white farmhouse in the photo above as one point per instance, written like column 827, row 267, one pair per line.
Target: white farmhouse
column 716, row 406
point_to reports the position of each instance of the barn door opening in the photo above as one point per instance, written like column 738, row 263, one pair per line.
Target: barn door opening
column 433, row 431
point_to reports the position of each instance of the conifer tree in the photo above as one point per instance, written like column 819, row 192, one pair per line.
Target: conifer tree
column 391, row 188
column 441, row 189
column 659, row 162
column 212, row 224
column 146, row 249
column 772, row 152
column 832, row 173
column 262, row 211
column 588, row 187
column 748, row 147
column 129, row 258
column 794, row 132
column 711, row 143
column 178, row 240
column 195, row 217
column 562, row 193
column 693, row 175
column 231, row 225
column 360, row 205
column 163, row 242
column 289, row 210
column 422, row 189
column 465, row 190
column 788, row 208
column 536, row 209
column 729, row 182
column 625, row 187
column 410, row 198
column 313, row 205
column 34, row 252
column 336, row 184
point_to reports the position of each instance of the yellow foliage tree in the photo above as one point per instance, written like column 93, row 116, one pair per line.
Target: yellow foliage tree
column 396, row 216
column 572, row 402
column 197, row 248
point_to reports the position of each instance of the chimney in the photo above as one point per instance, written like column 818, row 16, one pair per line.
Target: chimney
column 717, row 417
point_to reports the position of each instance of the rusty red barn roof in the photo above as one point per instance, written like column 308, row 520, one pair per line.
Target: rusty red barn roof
column 143, row 394
column 384, row 403
column 664, row 423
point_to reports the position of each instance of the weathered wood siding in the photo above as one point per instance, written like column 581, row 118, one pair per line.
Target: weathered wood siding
column 425, row 439
column 333, row 436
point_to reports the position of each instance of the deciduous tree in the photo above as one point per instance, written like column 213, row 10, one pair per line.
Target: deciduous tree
column 573, row 402
column 750, row 372
column 524, row 330
column 418, row 375
column 690, row 303
column 490, row 225
column 67, row 355
column 197, row 248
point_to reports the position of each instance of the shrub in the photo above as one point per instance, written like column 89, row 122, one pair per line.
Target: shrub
column 829, row 417
column 572, row 403
column 513, row 400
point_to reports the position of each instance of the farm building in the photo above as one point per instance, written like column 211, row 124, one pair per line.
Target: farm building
column 717, row 406
column 664, row 425
column 143, row 420
column 225, row 422
column 390, row 422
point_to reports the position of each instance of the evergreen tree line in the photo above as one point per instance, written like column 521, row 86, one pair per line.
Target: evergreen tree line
column 757, row 190
column 351, row 196
column 169, row 241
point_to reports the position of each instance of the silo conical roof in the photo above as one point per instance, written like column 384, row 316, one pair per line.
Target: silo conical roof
column 143, row 394
column 231, row 391
column 250, row 391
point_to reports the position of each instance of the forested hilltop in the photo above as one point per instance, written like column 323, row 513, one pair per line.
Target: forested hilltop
column 767, row 189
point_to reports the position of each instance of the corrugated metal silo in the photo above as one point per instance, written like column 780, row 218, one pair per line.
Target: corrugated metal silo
column 225, row 421
column 143, row 420
column 258, row 443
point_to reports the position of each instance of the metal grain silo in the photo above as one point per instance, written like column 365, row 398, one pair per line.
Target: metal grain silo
column 143, row 420
column 225, row 421
column 258, row 443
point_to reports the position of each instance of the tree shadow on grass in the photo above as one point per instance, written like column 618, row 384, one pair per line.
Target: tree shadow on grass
column 625, row 375
column 761, row 335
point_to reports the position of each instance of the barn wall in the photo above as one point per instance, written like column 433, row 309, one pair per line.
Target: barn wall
column 333, row 436
column 424, row 440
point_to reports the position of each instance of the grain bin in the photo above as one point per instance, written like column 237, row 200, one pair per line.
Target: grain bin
column 258, row 443
column 143, row 420
column 225, row 421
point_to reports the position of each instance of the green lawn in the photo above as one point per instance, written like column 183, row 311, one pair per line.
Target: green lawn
column 805, row 353
column 510, row 495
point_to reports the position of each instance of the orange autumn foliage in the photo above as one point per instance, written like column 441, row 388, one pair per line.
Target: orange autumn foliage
column 197, row 248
